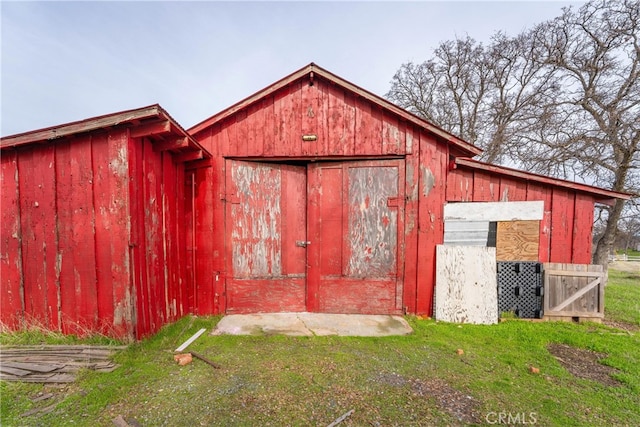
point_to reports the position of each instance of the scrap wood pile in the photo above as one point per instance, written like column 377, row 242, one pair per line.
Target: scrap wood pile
column 53, row 363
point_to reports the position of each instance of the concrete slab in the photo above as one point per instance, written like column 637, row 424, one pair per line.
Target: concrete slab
column 308, row 324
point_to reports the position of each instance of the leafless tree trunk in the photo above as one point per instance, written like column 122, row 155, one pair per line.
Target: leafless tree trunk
column 562, row 98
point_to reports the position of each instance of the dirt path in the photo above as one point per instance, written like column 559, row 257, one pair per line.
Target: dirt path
column 626, row 266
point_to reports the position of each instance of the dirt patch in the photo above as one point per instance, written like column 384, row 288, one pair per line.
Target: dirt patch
column 584, row 364
column 457, row 404
column 628, row 327
column 627, row 266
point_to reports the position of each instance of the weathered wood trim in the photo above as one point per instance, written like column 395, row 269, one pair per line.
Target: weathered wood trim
column 150, row 129
column 606, row 196
column 81, row 126
column 187, row 157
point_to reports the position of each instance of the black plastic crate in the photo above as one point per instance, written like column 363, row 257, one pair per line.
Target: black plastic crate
column 521, row 288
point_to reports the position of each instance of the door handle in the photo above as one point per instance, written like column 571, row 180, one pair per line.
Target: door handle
column 302, row 243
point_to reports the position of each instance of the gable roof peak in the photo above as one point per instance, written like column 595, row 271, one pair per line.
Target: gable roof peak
column 462, row 145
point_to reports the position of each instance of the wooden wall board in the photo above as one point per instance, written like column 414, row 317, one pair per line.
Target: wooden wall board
column 562, row 213
column 120, row 217
column 543, row 193
column 460, row 186
column 582, row 230
column 466, row 285
column 412, row 169
column 11, row 297
column 432, row 187
column 486, row 187
column 104, row 230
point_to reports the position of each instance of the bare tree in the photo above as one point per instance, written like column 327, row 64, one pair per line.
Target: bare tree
column 562, row 98
column 596, row 53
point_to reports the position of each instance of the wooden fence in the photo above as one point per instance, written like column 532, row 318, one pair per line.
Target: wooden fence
column 573, row 292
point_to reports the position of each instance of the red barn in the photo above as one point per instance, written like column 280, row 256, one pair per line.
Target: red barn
column 318, row 196
column 92, row 232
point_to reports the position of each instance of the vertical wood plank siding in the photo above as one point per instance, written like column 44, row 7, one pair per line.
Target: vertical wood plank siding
column 345, row 126
column 11, row 297
column 84, row 219
column 565, row 230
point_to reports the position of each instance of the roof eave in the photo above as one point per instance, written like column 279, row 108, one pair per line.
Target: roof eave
column 140, row 121
column 600, row 195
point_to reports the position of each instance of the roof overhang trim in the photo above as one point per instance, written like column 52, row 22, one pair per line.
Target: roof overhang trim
column 152, row 122
column 601, row 195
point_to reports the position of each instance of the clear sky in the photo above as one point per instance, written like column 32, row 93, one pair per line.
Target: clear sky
column 67, row 61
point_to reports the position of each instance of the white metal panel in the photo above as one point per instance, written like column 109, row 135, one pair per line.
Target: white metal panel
column 466, row 233
column 494, row 211
column 466, row 285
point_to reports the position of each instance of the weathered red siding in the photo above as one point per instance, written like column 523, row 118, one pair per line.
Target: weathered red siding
column 121, row 223
column 93, row 235
column 565, row 230
column 346, row 126
column 12, row 295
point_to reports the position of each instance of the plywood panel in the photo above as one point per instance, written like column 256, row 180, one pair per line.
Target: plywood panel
column 466, row 285
column 517, row 240
column 373, row 224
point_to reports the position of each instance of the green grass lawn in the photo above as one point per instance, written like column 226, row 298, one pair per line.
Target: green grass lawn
column 418, row 379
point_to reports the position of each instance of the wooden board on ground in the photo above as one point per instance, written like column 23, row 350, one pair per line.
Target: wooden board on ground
column 53, row 364
column 466, row 285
